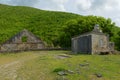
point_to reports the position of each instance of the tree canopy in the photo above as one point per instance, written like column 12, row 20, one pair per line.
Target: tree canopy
column 54, row 28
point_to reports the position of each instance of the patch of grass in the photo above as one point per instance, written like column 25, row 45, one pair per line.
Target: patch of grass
column 41, row 65
column 59, row 69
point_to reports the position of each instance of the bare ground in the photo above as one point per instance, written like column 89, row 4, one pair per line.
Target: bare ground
column 8, row 71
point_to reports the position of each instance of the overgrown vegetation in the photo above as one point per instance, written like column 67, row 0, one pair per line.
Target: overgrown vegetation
column 24, row 38
column 55, row 28
column 45, row 65
column 86, row 24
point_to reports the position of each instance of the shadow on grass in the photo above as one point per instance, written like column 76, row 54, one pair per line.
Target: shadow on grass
column 71, row 53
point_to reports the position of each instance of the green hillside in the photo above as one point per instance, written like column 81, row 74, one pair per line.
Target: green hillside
column 54, row 28
column 44, row 24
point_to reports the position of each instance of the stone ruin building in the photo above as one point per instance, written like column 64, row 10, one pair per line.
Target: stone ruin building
column 22, row 41
column 94, row 42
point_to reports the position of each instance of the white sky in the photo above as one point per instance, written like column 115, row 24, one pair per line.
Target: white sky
column 105, row 8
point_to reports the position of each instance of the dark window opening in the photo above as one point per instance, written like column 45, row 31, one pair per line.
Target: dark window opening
column 24, row 39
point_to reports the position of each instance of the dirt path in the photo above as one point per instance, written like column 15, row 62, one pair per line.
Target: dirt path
column 9, row 71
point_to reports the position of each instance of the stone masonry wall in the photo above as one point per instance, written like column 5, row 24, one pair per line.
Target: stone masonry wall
column 100, row 43
column 16, row 43
column 21, row 47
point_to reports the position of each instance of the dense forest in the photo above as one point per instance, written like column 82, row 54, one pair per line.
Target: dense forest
column 55, row 28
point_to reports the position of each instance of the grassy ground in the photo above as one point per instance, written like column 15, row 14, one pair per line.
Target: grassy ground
column 45, row 65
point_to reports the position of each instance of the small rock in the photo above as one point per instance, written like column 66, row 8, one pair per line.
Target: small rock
column 85, row 64
column 62, row 73
column 70, row 71
column 78, row 71
column 63, row 56
column 98, row 75
column 82, row 65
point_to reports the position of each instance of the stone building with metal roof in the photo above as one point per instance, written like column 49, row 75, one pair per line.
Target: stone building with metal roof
column 94, row 42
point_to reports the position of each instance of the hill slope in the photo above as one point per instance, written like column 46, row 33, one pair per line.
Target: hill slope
column 44, row 24
column 54, row 28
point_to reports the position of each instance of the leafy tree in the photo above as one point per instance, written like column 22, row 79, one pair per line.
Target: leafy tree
column 85, row 24
column 117, row 41
column 55, row 28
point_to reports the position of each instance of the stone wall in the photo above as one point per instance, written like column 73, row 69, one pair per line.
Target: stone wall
column 21, row 47
column 100, row 43
column 31, row 38
column 17, row 44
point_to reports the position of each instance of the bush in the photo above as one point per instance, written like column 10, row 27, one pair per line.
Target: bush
column 59, row 69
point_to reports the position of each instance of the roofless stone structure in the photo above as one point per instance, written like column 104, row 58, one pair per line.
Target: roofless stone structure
column 23, row 40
